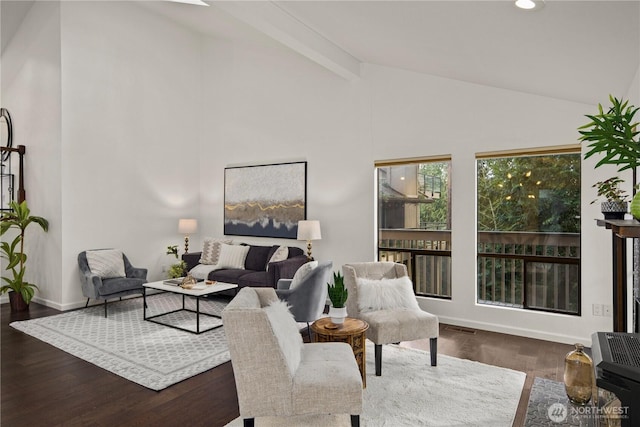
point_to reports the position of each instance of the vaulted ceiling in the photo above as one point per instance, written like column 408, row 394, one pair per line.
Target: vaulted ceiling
column 575, row 50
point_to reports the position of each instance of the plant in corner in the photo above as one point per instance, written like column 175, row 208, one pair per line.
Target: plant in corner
column 338, row 295
column 613, row 134
column 615, row 205
column 177, row 269
column 18, row 217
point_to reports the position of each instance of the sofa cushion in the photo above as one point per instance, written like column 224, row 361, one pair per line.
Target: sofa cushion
column 255, row 279
column 232, row 256
column 228, row 275
column 106, row 263
column 302, row 272
column 277, row 253
column 257, row 258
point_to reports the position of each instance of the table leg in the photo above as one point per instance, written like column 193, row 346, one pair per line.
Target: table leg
column 197, row 315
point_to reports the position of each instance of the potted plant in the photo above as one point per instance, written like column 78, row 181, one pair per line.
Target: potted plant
column 338, row 295
column 614, row 135
column 177, row 269
column 615, row 205
column 20, row 291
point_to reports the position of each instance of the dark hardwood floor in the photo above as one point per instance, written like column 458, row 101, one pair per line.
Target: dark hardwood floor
column 44, row 386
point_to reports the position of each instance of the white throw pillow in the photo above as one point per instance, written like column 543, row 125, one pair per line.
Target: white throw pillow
column 302, row 272
column 201, row 271
column 386, row 294
column 280, row 254
column 232, row 256
column 211, row 250
column 106, row 263
column 286, row 331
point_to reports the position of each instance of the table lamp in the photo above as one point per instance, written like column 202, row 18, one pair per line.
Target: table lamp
column 187, row 227
column 309, row 230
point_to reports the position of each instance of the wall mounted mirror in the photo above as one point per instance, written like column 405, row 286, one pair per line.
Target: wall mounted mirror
column 6, row 131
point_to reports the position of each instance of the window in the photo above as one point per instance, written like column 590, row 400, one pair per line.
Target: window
column 529, row 231
column 414, row 222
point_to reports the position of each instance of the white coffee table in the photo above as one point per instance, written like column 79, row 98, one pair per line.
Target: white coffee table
column 195, row 293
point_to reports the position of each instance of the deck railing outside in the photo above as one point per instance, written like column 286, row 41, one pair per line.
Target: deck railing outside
column 539, row 271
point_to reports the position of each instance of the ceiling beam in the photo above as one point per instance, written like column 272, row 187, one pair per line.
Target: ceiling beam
column 275, row 22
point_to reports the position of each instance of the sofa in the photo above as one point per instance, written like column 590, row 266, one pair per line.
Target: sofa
column 257, row 271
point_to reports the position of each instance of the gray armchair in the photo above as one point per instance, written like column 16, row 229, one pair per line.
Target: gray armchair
column 391, row 325
column 278, row 375
column 96, row 287
column 307, row 300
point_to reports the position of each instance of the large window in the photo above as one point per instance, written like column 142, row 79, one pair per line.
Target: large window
column 529, row 231
column 414, row 222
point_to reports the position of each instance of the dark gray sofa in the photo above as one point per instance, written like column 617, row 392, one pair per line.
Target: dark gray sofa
column 255, row 273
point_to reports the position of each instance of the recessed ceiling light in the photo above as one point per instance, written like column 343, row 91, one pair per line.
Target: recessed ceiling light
column 530, row 4
column 196, row 2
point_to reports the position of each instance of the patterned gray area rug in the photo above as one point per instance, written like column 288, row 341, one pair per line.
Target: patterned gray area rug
column 410, row 392
column 152, row 355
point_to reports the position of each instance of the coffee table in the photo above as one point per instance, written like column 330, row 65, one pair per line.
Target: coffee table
column 195, row 293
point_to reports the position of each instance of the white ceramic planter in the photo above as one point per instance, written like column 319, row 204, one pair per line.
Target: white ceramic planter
column 337, row 315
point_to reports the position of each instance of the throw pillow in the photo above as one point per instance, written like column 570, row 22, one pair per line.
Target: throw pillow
column 201, row 271
column 286, row 331
column 232, row 256
column 386, row 294
column 280, row 254
column 106, row 263
column 302, row 273
column 211, row 250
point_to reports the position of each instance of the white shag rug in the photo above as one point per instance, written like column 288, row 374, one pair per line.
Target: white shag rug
column 411, row 392
column 152, row 355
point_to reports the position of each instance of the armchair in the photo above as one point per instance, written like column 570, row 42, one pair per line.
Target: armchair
column 389, row 325
column 96, row 287
column 276, row 374
column 308, row 299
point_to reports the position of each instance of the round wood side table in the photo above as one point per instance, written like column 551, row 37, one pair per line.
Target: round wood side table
column 352, row 331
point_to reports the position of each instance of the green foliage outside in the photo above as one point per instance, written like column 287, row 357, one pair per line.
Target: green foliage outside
column 435, row 216
column 534, row 194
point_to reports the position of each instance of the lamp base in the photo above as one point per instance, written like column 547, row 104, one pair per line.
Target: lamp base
column 309, row 257
column 186, row 244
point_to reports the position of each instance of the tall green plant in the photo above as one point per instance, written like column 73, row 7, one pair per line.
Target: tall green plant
column 337, row 292
column 613, row 134
column 19, row 217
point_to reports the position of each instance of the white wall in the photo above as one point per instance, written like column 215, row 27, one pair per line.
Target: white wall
column 270, row 105
column 132, row 125
column 31, row 92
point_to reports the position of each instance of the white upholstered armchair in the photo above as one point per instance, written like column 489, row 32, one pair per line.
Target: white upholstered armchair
column 277, row 374
column 381, row 294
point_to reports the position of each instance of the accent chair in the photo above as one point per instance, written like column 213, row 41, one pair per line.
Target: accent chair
column 113, row 276
column 276, row 374
column 388, row 324
column 308, row 298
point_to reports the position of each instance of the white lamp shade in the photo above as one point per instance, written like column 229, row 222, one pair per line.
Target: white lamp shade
column 309, row 230
column 187, row 226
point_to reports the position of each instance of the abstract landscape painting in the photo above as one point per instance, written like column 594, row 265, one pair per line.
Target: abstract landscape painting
column 265, row 200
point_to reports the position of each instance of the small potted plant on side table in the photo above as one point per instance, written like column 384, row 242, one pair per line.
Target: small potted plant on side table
column 615, row 206
column 175, row 270
column 338, row 295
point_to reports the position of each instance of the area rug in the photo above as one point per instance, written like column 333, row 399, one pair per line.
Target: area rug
column 152, row 355
column 410, row 392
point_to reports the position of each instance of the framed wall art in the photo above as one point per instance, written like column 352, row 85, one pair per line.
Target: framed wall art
column 265, row 200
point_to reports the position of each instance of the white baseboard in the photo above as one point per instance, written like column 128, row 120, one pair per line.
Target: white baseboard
column 521, row 332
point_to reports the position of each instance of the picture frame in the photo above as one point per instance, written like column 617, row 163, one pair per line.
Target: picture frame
column 265, row 200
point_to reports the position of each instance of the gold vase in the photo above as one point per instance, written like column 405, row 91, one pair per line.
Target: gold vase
column 578, row 376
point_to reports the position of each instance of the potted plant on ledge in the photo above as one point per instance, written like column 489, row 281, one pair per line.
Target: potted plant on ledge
column 338, row 295
column 20, row 291
column 615, row 206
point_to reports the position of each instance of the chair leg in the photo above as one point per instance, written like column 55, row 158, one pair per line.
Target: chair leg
column 87, row 304
column 355, row 420
column 378, row 356
column 249, row 422
column 433, row 350
column 309, row 332
column 105, row 309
